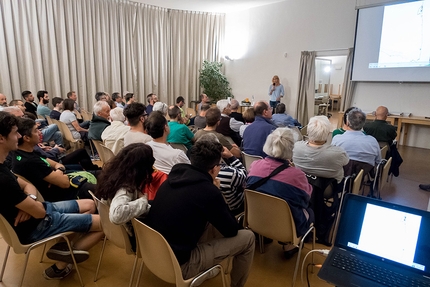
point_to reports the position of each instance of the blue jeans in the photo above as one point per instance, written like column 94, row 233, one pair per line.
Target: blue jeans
column 52, row 133
column 60, row 217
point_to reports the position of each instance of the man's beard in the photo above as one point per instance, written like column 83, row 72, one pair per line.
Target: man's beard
column 45, row 101
column 4, row 105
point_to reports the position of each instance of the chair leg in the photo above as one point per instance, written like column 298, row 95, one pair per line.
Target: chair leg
column 133, row 270
column 296, row 268
column 139, row 274
column 74, row 260
column 4, row 263
column 25, row 266
column 43, row 252
column 100, row 259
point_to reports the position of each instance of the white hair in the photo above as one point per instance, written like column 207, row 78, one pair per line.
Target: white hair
column 117, row 114
column 318, row 128
column 99, row 106
column 161, row 107
column 222, row 104
column 280, row 143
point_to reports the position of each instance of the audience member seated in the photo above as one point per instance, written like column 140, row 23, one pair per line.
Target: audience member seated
column 99, row 121
column 135, row 114
column 33, row 220
column 249, row 117
column 281, row 119
column 3, row 100
column 72, row 95
column 187, row 208
column 165, row 156
column 161, row 107
column 379, row 128
column 42, row 108
column 69, row 118
column 204, row 99
column 113, row 135
column 179, row 132
column 213, row 116
column 185, row 118
column 152, row 99
column 228, row 126
column 17, row 103
column 234, row 107
column 129, row 99
column 359, row 147
column 289, row 184
column 121, row 183
column 117, row 98
column 46, row 175
column 101, row 96
column 256, row 134
column 342, row 129
column 55, row 114
column 30, row 105
column 315, row 156
column 200, row 119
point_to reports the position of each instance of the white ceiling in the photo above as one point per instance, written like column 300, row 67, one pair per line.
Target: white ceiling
column 219, row 6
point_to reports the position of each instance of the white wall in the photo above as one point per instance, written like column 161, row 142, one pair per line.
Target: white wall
column 262, row 35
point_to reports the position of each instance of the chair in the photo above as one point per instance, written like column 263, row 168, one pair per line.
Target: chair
column 9, row 235
column 248, row 159
column 100, row 151
column 179, row 146
column 271, row 217
column 107, row 153
column 67, row 134
column 86, row 116
column 356, row 186
column 384, row 150
column 115, row 233
column 385, row 171
column 49, row 120
column 381, row 177
column 160, row 259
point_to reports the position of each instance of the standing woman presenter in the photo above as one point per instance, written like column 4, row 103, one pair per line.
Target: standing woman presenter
column 276, row 92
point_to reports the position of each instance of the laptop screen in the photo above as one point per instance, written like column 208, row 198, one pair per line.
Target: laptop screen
column 387, row 231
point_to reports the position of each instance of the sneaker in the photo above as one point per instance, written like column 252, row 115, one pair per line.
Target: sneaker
column 61, row 252
column 51, row 274
column 209, row 275
column 425, row 187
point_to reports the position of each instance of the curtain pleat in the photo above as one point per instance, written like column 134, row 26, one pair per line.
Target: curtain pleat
column 348, row 85
column 306, row 92
column 105, row 45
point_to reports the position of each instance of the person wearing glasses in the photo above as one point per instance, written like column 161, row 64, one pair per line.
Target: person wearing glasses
column 136, row 116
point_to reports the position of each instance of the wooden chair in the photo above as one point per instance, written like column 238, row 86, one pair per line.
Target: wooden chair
column 49, row 120
column 67, row 135
column 9, row 235
column 248, row 159
column 356, row 186
column 384, row 150
column 86, row 116
column 158, row 257
column 115, row 233
column 271, row 217
column 98, row 145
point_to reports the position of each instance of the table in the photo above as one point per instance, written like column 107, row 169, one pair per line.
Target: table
column 243, row 107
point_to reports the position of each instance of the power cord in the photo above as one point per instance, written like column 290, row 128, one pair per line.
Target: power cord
column 323, row 252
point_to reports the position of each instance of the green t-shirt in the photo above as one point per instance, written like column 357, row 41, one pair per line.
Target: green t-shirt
column 180, row 133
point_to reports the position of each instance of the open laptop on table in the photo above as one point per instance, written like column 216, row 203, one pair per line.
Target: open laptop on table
column 379, row 244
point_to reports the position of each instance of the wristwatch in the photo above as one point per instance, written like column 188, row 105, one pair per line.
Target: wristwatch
column 32, row 196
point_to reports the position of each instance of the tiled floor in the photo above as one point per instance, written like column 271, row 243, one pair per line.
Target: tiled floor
column 268, row 269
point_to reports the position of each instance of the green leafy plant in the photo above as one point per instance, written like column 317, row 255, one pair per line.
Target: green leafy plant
column 214, row 82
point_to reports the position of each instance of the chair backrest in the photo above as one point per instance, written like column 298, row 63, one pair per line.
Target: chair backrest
column 269, row 216
column 107, row 153
column 67, row 134
column 385, row 171
column 38, row 194
column 179, row 146
column 49, row 120
column 384, row 150
column 248, row 159
column 304, row 130
column 100, row 151
column 156, row 254
column 115, row 233
column 9, row 235
column 357, row 182
column 86, row 116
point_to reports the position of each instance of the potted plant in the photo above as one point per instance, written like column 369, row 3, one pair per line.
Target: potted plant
column 214, row 82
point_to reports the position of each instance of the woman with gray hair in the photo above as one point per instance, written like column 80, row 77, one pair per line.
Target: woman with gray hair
column 315, row 156
column 113, row 135
column 289, row 183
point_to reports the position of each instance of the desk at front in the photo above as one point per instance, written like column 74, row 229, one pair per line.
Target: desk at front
column 396, row 120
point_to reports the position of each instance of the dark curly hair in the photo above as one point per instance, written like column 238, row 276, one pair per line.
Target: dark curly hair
column 7, row 122
column 205, row 154
column 130, row 169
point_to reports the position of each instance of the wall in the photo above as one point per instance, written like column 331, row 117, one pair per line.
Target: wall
column 258, row 38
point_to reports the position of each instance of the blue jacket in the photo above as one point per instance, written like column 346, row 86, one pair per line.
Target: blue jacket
column 256, row 134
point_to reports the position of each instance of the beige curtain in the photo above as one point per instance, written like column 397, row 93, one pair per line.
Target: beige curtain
column 348, row 85
column 306, row 92
column 104, row 45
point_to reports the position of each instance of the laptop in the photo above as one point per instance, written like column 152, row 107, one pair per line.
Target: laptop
column 379, row 244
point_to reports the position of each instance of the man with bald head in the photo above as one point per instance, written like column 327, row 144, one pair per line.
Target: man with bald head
column 3, row 100
column 379, row 128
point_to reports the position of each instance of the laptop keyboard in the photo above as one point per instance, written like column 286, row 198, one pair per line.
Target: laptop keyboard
column 374, row 272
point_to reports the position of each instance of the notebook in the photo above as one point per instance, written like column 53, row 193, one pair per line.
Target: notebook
column 379, row 244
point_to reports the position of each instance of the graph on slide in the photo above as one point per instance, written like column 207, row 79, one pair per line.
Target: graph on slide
column 405, row 36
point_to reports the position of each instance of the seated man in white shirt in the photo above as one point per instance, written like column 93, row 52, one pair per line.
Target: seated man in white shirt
column 165, row 156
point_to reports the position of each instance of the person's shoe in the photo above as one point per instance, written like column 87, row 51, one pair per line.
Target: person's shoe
column 209, row 275
column 52, row 272
column 425, row 187
column 288, row 254
column 61, row 252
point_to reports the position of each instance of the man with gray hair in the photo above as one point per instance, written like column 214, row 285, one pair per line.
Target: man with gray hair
column 315, row 156
column 358, row 146
column 113, row 135
column 234, row 106
column 99, row 121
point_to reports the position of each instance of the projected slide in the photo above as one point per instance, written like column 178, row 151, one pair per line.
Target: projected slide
column 405, row 40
